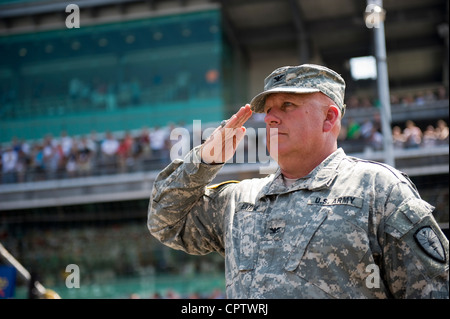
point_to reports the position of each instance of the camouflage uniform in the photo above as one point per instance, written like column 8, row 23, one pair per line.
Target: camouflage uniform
column 328, row 235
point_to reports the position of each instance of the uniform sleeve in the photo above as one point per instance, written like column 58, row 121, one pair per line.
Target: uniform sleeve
column 183, row 214
column 415, row 249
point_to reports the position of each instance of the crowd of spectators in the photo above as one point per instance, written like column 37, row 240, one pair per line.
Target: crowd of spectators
column 87, row 155
column 421, row 97
column 359, row 136
column 93, row 154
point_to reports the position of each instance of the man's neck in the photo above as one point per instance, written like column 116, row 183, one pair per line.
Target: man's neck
column 289, row 181
column 296, row 171
column 298, row 167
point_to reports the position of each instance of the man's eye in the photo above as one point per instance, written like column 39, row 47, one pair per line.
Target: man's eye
column 283, row 107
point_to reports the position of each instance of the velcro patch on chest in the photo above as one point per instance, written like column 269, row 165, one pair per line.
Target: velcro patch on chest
column 341, row 200
column 245, row 206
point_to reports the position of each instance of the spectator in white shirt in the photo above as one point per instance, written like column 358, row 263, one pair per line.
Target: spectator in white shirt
column 109, row 148
column 9, row 162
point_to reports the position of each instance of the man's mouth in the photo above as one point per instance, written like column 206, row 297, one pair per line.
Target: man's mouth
column 276, row 132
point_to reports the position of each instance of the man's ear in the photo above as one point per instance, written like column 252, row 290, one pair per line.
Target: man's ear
column 332, row 116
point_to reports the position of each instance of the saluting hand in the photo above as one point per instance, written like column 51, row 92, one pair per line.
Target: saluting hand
column 221, row 145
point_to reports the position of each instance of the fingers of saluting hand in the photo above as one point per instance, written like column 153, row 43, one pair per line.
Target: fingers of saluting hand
column 239, row 118
column 221, row 145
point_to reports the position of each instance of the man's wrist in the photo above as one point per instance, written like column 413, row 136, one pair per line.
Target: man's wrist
column 200, row 150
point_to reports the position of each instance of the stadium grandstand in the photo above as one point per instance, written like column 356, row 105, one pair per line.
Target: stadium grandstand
column 92, row 92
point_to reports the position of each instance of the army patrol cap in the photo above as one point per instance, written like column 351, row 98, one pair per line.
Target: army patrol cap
column 305, row 78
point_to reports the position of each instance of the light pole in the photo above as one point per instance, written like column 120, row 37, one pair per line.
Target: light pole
column 374, row 18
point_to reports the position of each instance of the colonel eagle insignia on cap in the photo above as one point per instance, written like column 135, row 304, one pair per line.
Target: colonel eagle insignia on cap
column 278, row 78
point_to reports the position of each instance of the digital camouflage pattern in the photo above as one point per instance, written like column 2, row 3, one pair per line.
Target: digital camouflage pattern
column 305, row 78
column 328, row 235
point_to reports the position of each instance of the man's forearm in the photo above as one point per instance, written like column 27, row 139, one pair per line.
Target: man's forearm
column 177, row 190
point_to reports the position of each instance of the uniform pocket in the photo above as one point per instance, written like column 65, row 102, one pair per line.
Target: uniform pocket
column 304, row 238
column 246, row 235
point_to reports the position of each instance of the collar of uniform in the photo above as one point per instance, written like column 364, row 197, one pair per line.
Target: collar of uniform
column 320, row 177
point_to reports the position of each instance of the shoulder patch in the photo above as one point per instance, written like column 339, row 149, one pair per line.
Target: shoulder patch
column 430, row 243
column 220, row 184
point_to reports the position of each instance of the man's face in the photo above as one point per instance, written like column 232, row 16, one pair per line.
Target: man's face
column 298, row 119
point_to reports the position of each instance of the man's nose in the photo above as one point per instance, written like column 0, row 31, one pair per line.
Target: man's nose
column 271, row 118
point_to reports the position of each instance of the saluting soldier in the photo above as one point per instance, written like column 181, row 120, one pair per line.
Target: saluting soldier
column 324, row 225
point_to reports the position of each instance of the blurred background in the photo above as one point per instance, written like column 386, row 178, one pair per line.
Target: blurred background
column 89, row 97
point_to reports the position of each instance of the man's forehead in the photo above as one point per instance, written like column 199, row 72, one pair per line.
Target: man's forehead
column 280, row 97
